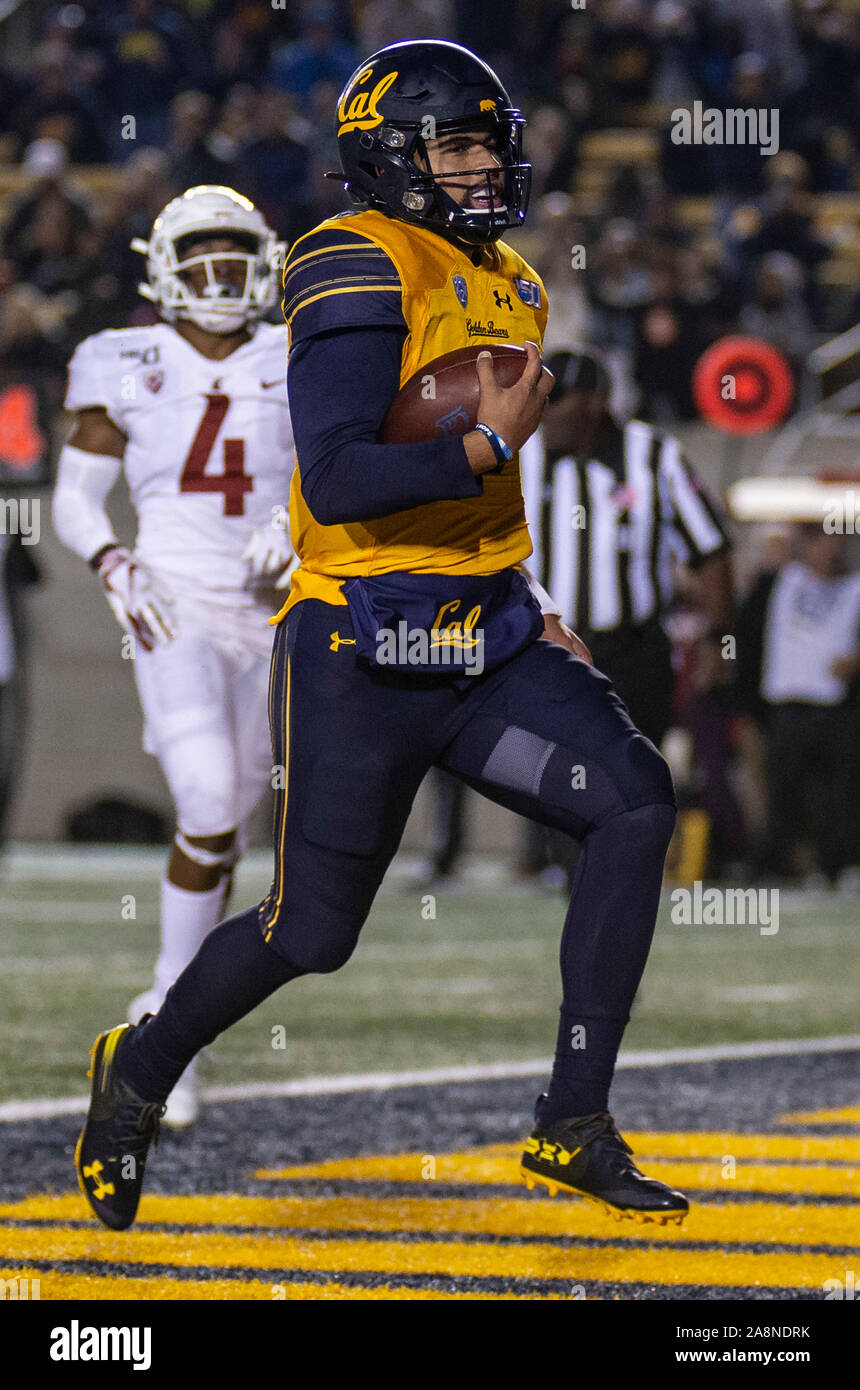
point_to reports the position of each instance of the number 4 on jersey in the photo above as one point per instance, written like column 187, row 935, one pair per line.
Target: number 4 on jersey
column 233, row 482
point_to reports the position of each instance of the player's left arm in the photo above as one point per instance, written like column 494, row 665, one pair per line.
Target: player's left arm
column 704, row 536
column 554, row 627
column 714, row 591
column 269, row 553
column 269, row 550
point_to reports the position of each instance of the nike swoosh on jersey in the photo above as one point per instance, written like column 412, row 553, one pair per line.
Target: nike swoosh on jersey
column 279, row 381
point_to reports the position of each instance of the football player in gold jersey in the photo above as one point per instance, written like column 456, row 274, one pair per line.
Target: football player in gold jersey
column 412, row 638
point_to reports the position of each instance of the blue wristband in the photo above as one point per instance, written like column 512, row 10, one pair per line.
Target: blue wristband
column 499, row 447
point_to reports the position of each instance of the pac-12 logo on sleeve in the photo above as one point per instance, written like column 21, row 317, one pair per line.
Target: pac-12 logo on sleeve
column 461, row 289
column 528, row 291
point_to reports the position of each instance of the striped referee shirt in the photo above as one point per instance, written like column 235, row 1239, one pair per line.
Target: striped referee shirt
column 607, row 531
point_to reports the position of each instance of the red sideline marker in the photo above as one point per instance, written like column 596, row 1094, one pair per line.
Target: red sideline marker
column 742, row 385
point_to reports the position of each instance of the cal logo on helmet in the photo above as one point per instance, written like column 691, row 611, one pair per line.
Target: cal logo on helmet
column 361, row 113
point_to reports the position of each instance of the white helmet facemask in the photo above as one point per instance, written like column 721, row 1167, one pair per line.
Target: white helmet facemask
column 221, row 306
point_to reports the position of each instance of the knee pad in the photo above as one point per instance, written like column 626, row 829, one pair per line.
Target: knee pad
column 251, row 789
column 317, row 942
column 632, row 841
column 203, row 807
column 647, row 829
column 201, row 775
column 643, row 774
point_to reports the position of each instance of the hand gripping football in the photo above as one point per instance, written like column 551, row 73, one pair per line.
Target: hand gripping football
column 442, row 397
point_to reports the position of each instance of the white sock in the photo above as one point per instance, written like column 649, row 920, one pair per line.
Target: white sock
column 186, row 920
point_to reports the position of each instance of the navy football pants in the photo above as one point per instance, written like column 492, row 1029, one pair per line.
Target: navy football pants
column 544, row 735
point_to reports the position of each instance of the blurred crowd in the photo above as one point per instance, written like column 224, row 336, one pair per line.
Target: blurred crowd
column 242, row 92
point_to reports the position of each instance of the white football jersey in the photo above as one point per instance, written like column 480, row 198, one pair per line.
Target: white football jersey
column 210, row 449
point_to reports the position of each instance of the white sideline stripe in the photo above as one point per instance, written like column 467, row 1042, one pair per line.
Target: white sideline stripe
column 15, row 1110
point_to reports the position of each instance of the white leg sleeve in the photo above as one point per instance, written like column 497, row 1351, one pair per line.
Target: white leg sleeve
column 186, row 920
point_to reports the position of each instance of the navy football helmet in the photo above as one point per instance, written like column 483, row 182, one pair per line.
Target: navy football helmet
column 420, row 90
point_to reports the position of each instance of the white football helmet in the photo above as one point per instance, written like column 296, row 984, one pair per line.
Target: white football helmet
column 218, row 212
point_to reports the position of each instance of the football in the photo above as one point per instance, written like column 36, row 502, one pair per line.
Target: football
column 442, row 397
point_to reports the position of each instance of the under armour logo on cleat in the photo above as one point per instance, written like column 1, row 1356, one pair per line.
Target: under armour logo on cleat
column 338, row 641
column 549, row 1152
column 100, row 1189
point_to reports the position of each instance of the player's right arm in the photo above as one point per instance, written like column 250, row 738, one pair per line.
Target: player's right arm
column 343, row 304
column 88, row 467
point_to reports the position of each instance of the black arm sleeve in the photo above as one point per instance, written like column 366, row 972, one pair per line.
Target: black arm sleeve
column 340, row 386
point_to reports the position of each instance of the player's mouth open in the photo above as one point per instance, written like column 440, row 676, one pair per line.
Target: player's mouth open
column 482, row 200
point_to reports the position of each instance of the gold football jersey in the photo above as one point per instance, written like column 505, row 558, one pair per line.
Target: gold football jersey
column 356, row 269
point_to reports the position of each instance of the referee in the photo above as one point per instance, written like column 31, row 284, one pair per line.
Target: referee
column 612, row 511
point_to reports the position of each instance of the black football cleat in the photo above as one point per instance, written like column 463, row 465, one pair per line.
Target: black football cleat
column 111, row 1153
column 587, row 1157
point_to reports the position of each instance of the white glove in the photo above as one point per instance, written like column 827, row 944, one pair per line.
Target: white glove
column 139, row 605
column 269, row 549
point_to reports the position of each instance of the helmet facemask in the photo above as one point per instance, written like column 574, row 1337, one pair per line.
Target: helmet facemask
column 223, row 304
column 221, row 301
column 389, row 159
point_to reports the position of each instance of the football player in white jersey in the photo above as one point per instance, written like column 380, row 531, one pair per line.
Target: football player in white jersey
column 194, row 408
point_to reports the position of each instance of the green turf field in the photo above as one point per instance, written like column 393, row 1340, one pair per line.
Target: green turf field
column 477, row 984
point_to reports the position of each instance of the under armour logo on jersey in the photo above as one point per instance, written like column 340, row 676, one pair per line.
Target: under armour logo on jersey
column 503, row 299
column 338, row 641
